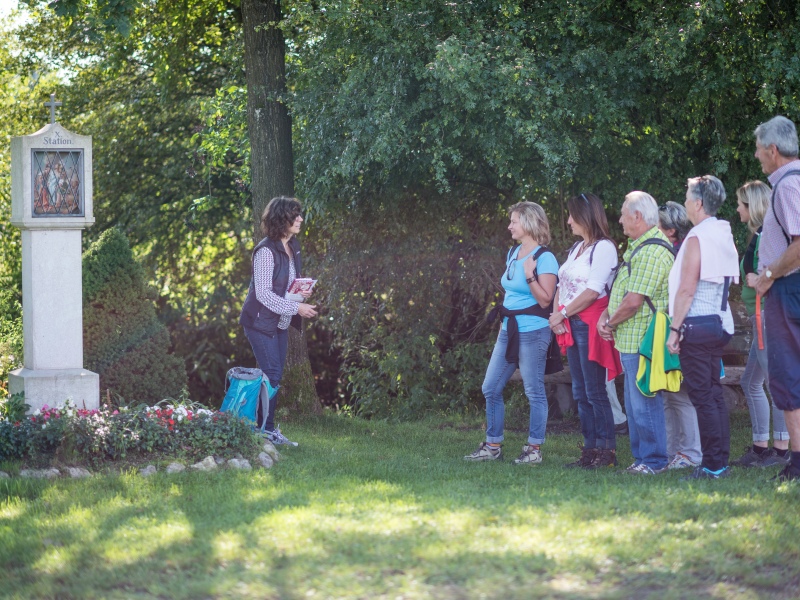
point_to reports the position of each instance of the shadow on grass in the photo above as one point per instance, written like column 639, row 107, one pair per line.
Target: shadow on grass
column 371, row 509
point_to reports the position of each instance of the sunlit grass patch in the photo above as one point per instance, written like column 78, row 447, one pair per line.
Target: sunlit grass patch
column 377, row 510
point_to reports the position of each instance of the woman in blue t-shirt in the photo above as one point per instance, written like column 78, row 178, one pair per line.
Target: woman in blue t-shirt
column 529, row 282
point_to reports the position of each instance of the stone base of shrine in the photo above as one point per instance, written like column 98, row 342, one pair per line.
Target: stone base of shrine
column 54, row 386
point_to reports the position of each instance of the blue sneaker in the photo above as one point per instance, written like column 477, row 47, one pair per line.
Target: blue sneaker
column 703, row 473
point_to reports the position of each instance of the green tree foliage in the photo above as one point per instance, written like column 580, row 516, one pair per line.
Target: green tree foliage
column 123, row 340
column 415, row 124
column 479, row 104
column 524, row 98
column 140, row 96
column 23, row 113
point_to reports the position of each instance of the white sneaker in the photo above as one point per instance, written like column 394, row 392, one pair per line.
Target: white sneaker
column 530, row 456
column 485, row 452
column 277, row 438
column 680, row 461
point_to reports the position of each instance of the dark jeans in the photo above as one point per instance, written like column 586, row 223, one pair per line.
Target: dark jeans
column 700, row 364
column 589, row 391
column 270, row 353
column 782, row 324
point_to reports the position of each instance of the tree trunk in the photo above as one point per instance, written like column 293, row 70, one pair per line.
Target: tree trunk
column 271, row 162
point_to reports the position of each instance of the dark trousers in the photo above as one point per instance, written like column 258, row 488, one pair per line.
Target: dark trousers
column 782, row 324
column 270, row 353
column 701, row 366
column 589, row 391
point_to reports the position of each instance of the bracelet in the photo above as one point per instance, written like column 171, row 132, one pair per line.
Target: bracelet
column 532, row 279
column 678, row 330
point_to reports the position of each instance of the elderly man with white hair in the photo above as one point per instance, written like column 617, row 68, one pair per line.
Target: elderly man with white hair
column 640, row 289
column 779, row 274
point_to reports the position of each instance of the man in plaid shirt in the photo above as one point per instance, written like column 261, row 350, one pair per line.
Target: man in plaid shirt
column 626, row 322
column 779, row 274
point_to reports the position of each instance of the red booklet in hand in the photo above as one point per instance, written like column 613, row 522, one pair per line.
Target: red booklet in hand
column 301, row 284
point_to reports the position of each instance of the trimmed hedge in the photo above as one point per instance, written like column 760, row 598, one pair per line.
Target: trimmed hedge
column 123, row 340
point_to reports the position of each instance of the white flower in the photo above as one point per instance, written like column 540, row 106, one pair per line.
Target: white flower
column 37, row 412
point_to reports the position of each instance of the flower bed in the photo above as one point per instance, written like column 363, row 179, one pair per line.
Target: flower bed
column 70, row 434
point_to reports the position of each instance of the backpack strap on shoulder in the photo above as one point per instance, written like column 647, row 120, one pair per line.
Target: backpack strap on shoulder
column 725, row 291
column 654, row 241
column 772, row 203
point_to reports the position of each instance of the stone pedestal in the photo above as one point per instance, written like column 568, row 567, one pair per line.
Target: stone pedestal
column 51, row 194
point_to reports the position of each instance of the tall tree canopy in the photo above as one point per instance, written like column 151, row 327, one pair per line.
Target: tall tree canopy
column 415, row 123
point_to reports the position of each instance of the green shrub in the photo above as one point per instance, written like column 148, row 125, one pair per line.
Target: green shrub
column 407, row 314
column 10, row 335
column 123, row 340
column 97, row 436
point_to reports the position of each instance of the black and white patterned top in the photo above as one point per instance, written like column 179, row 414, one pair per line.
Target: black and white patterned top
column 263, row 266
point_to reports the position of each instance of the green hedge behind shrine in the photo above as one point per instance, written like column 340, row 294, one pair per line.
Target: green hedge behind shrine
column 123, row 340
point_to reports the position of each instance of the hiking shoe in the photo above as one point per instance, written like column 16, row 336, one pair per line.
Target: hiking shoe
column 277, row 438
column 772, row 459
column 789, row 473
column 531, row 455
column 587, row 456
column 604, row 458
column 751, row 458
column 703, row 473
column 640, row 469
column 681, row 461
column 485, row 452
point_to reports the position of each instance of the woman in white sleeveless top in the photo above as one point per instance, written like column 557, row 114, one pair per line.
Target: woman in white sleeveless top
column 702, row 323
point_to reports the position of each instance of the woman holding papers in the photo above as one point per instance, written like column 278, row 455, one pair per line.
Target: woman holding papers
column 529, row 282
column 584, row 282
column 267, row 313
column 702, row 323
column 753, row 199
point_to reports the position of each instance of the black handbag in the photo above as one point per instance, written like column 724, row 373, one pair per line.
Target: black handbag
column 706, row 329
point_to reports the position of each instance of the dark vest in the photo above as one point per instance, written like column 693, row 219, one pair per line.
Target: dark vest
column 254, row 314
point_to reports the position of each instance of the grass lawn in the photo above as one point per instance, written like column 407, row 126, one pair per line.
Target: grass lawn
column 375, row 510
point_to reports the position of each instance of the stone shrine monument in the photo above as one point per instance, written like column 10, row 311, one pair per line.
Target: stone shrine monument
column 51, row 202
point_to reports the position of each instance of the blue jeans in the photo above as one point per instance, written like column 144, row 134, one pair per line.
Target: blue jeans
column 270, row 353
column 589, row 391
column 532, row 354
column 646, row 424
column 755, row 373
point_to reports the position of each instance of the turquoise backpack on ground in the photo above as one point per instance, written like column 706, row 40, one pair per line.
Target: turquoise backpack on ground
column 247, row 394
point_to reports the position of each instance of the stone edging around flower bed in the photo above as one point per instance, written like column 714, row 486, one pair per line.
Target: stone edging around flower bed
column 266, row 459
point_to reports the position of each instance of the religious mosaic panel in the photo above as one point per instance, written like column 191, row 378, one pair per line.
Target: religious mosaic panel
column 57, row 183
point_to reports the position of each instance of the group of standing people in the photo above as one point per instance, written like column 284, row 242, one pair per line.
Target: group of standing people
column 611, row 317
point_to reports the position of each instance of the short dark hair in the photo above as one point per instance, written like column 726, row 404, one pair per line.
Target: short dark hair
column 588, row 212
column 279, row 216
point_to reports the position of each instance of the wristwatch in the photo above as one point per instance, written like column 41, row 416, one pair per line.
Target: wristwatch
column 768, row 273
column 563, row 311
